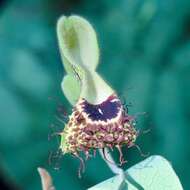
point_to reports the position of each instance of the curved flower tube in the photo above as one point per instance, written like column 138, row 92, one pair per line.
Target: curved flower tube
column 98, row 119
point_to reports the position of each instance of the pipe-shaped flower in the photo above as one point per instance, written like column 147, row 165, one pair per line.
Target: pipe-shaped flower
column 98, row 118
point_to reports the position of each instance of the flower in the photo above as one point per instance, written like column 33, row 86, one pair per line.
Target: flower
column 97, row 126
column 98, row 119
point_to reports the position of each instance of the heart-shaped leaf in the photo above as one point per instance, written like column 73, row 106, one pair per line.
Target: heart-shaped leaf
column 154, row 173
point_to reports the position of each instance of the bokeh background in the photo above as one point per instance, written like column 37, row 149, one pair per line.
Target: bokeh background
column 145, row 56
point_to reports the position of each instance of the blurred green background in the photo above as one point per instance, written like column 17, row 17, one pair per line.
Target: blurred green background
column 145, row 56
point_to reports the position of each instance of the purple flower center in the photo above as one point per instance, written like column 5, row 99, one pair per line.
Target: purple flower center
column 105, row 111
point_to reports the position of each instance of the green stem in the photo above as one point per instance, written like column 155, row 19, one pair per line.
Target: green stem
column 112, row 164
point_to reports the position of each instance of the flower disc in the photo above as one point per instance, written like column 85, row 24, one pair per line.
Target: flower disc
column 98, row 126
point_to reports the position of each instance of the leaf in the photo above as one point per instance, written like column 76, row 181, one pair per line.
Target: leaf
column 154, row 173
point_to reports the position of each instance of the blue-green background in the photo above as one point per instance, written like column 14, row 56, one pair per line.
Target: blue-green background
column 145, row 56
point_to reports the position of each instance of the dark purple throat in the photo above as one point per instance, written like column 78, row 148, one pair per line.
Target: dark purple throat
column 107, row 110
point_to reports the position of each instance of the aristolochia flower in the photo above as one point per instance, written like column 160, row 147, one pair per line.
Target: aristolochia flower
column 93, row 126
column 98, row 118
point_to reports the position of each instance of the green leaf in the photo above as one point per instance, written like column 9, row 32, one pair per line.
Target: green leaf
column 154, row 173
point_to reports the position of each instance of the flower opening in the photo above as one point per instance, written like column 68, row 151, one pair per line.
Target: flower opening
column 105, row 125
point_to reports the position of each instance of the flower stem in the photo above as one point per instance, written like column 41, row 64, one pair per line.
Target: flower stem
column 107, row 157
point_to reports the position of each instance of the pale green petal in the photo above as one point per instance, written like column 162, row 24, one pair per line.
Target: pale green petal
column 87, row 41
column 77, row 42
column 95, row 89
column 80, row 54
column 71, row 88
column 154, row 173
